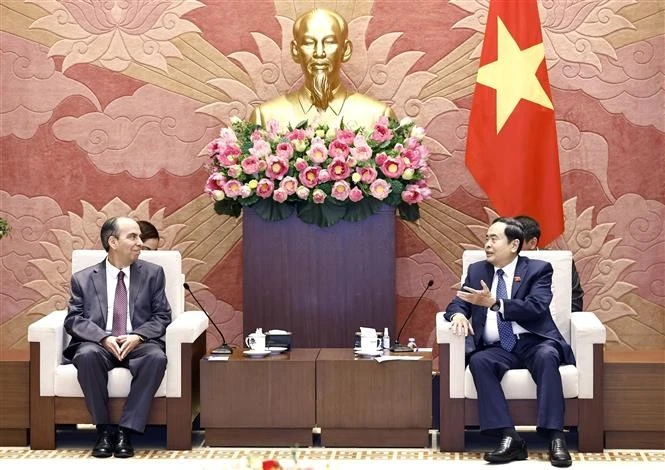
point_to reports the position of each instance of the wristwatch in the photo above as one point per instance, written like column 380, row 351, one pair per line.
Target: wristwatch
column 496, row 306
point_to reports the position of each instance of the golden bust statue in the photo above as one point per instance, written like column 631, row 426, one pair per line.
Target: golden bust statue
column 320, row 45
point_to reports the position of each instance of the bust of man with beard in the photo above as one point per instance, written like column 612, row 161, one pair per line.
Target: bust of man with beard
column 320, row 45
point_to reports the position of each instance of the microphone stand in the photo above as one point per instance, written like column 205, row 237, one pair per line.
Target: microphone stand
column 223, row 348
column 397, row 347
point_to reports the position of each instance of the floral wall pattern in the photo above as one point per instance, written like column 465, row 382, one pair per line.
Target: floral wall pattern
column 107, row 107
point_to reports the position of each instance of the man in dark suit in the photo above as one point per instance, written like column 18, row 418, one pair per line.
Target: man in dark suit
column 504, row 304
column 117, row 315
column 531, row 229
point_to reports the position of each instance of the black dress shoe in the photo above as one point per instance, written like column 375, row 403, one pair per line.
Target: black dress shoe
column 559, row 455
column 104, row 446
column 123, row 446
column 509, row 449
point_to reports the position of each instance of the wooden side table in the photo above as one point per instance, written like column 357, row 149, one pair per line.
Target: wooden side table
column 363, row 403
column 259, row 401
column 14, row 399
column 635, row 399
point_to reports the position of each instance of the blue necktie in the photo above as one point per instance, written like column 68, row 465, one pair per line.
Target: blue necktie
column 506, row 335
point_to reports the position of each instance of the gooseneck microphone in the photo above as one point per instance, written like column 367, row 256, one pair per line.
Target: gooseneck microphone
column 223, row 348
column 399, row 347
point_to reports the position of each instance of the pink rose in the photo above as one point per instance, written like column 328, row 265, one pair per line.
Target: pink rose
column 300, row 164
column 355, row 194
column 289, row 184
column 256, row 135
column 232, row 188
column 338, row 169
column 250, row 165
column 381, row 158
column 284, row 150
column 280, row 195
column 412, row 194
column 277, row 167
column 367, row 174
column 265, row 188
column 229, row 155
column 215, row 183
column 324, row 176
column 338, row 149
column 393, row 167
column 380, row 189
column 228, row 136
column 345, row 136
column 273, row 128
column 340, row 190
column 362, row 153
column 411, row 158
column 262, row 165
column 302, row 192
column 381, row 133
column 235, row 171
column 296, row 134
column 260, row 149
column 214, row 147
column 309, row 176
column 318, row 196
column 318, row 153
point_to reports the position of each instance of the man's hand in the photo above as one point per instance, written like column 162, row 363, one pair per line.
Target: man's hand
column 482, row 297
column 461, row 325
column 127, row 344
column 112, row 345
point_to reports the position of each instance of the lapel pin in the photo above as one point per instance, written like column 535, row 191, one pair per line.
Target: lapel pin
column 517, row 279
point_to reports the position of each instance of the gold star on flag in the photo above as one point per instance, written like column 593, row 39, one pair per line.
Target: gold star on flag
column 513, row 75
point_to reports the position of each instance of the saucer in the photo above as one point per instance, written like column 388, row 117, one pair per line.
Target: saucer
column 277, row 349
column 376, row 353
column 252, row 353
column 357, row 350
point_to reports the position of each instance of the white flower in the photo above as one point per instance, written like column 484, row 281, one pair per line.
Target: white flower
column 418, row 133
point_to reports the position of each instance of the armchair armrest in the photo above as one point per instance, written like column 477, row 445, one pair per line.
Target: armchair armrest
column 49, row 332
column 183, row 330
column 444, row 335
column 585, row 331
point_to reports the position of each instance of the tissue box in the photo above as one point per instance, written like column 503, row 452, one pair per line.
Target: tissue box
column 279, row 339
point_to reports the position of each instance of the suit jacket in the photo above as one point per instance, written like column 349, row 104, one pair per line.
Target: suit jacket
column 149, row 310
column 528, row 304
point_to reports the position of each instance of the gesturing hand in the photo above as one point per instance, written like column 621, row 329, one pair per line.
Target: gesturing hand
column 482, row 297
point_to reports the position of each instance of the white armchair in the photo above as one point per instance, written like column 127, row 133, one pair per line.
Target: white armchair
column 57, row 398
column 582, row 383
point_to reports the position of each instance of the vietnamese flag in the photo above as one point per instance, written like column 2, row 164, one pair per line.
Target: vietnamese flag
column 512, row 148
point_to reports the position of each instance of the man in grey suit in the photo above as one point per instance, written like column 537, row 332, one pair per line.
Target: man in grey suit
column 117, row 315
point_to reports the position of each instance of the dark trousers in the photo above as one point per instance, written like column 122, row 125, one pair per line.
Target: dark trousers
column 146, row 362
column 535, row 353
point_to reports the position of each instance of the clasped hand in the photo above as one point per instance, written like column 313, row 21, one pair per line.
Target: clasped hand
column 122, row 345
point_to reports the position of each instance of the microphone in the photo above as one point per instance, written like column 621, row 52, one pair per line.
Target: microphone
column 399, row 347
column 223, row 348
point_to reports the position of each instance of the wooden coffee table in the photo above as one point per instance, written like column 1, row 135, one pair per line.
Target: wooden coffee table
column 363, row 403
column 267, row 401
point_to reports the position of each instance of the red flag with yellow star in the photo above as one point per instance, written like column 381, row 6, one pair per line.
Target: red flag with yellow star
column 512, row 149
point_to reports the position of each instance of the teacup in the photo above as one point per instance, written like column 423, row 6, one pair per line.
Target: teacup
column 369, row 344
column 256, row 341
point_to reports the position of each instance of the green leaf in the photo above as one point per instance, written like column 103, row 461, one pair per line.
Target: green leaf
column 302, row 124
column 228, row 207
column 355, row 212
column 409, row 212
column 248, row 201
column 273, row 211
column 323, row 215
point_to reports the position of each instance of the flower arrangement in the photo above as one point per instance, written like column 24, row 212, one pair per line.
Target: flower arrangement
column 322, row 173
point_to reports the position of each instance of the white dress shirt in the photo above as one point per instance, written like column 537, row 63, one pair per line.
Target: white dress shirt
column 111, row 283
column 491, row 333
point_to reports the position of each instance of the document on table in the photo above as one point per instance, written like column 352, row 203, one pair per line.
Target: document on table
column 397, row 358
column 218, row 358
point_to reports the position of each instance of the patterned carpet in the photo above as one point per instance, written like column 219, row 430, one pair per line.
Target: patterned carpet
column 313, row 458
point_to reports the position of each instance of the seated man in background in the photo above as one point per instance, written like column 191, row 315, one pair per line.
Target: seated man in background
column 507, row 300
column 531, row 236
column 117, row 315
column 149, row 235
